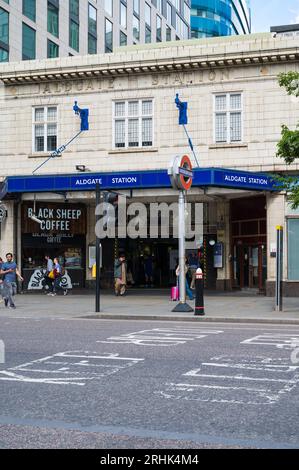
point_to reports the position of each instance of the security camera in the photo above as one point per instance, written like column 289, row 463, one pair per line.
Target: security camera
column 35, row 219
column 81, row 168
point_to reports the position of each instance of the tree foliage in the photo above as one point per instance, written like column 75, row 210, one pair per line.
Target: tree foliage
column 290, row 81
column 288, row 146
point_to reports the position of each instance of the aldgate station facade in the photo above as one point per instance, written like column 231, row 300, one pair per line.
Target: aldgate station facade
column 236, row 109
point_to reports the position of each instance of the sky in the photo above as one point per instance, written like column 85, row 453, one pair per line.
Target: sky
column 266, row 13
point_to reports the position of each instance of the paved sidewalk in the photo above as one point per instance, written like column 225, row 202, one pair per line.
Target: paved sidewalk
column 236, row 307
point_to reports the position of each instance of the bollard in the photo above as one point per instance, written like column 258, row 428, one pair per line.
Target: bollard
column 199, row 303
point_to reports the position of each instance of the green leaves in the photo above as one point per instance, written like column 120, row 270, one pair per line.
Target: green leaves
column 288, row 146
column 289, row 184
column 290, row 81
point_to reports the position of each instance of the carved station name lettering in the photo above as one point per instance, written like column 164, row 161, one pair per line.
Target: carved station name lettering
column 122, row 83
column 189, row 78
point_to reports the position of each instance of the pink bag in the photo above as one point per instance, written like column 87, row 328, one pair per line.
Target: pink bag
column 175, row 293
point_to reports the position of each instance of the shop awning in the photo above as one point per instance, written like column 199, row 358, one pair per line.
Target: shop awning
column 207, row 177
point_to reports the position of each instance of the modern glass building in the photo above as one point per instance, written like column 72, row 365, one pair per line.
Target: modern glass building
column 39, row 29
column 220, row 18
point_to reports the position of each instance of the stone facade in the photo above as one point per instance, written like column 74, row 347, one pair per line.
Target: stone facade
column 197, row 70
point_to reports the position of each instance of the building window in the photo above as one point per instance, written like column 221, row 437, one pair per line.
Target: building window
column 74, row 24
column 109, row 7
column 4, row 35
column 45, row 129
column 168, row 33
column 228, row 118
column 108, row 36
column 3, row 54
column 92, row 44
column 169, row 13
column 123, row 40
column 53, row 20
column 29, row 9
column 74, row 9
column 136, row 6
column 148, row 35
column 133, row 123
column 53, row 50
column 92, row 29
column 148, row 15
column 159, row 29
column 74, row 35
column 182, row 28
column 28, row 42
column 136, row 28
column 293, row 252
column 123, row 15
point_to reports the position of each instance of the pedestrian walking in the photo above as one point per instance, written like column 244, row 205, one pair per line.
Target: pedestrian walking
column 193, row 264
column 49, row 274
column 148, row 271
column 188, row 290
column 10, row 272
column 58, row 273
column 120, row 275
column 5, row 294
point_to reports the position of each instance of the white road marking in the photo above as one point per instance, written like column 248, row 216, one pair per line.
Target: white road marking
column 68, row 370
column 279, row 340
column 264, row 382
column 161, row 336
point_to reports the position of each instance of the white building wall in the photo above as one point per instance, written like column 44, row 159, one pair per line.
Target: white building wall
column 266, row 107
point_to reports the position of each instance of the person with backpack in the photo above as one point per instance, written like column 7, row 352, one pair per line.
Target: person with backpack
column 58, row 273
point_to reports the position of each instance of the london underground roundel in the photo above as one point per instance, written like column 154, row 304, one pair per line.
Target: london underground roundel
column 185, row 176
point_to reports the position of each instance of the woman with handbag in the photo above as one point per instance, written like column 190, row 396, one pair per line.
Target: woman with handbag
column 49, row 275
column 57, row 270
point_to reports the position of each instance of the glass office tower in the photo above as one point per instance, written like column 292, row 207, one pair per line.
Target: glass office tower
column 220, row 18
column 39, row 29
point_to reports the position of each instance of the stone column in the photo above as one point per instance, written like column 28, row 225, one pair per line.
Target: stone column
column 7, row 231
column 223, row 236
column 275, row 217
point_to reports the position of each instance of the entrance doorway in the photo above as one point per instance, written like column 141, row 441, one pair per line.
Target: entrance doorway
column 249, row 242
column 250, row 266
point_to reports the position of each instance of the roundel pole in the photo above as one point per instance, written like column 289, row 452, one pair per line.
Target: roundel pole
column 181, row 176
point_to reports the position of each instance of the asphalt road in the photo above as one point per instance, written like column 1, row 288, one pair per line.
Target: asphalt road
column 135, row 384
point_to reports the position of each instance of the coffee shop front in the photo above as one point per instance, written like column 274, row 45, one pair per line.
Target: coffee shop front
column 61, row 233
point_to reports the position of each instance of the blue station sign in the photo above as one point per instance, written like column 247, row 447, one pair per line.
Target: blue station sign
column 206, row 177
